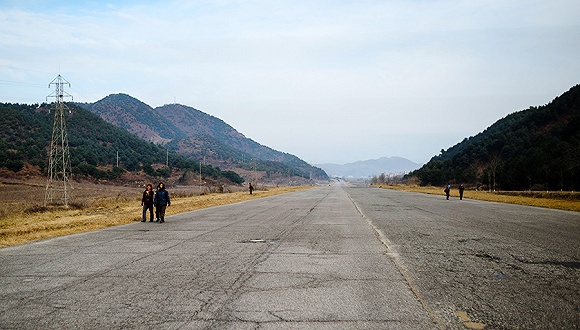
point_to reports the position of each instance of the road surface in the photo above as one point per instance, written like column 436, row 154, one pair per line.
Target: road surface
column 327, row 258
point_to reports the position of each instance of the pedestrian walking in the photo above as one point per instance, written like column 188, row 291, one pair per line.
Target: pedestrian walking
column 251, row 188
column 447, row 190
column 461, row 189
column 147, row 203
column 155, row 204
column 162, row 201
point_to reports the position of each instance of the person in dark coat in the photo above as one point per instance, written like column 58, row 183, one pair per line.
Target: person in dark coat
column 156, row 208
column 447, row 190
column 461, row 189
column 147, row 203
column 251, row 188
column 162, row 201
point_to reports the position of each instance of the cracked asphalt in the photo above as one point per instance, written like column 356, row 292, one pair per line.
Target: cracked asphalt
column 327, row 258
column 497, row 265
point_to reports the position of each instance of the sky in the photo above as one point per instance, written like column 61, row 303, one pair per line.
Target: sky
column 328, row 81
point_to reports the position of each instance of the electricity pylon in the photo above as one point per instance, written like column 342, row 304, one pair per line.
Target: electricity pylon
column 58, row 187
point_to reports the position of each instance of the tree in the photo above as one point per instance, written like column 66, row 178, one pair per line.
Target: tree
column 494, row 163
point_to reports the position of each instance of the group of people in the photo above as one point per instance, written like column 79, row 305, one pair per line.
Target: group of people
column 447, row 191
column 158, row 198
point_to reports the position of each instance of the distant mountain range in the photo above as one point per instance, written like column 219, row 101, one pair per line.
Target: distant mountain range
column 536, row 149
column 371, row 167
column 198, row 135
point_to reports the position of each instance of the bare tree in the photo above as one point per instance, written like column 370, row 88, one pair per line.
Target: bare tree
column 493, row 164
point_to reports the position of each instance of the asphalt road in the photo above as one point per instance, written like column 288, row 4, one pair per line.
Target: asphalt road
column 505, row 266
column 326, row 258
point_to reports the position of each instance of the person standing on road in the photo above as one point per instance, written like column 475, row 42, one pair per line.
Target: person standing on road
column 461, row 189
column 251, row 188
column 147, row 203
column 155, row 204
column 447, row 190
column 162, row 201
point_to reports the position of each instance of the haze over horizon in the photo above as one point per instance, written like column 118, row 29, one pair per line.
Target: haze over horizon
column 330, row 82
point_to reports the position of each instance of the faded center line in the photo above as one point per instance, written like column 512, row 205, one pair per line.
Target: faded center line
column 404, row 272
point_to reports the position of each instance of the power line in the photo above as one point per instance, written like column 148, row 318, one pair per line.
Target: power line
column 84, row 96
column 27, row 84
column 19, row 83
column 23, row 69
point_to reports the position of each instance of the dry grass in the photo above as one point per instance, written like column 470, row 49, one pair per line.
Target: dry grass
column 24, row 219
column 569, row 201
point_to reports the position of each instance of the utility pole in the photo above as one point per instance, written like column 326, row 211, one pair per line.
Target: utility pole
column 254, row 172
column 58, row 187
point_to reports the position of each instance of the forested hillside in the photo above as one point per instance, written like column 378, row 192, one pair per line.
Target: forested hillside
column 135, row 116
column 198, row 135
column 26, row 130
column 533, row 149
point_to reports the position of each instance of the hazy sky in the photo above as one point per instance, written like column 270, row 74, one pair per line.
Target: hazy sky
column 327, row 81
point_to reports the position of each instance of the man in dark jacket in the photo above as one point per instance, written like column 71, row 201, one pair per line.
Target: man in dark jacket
column 162, row 201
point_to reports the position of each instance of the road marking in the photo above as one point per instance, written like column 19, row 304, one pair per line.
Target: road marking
column 395, row 257
column 467, row 321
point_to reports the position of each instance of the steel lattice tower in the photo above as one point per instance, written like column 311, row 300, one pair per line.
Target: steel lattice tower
column 58, row 187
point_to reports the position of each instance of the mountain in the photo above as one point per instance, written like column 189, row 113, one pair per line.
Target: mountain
column 368, row 168
column 134, row 116
column 96, row 147
column 198, row 135
column 533, row 149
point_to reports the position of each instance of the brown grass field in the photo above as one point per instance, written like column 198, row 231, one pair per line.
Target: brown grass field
column 23, row 218
column 569, row 201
